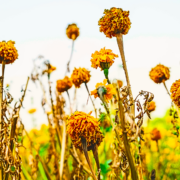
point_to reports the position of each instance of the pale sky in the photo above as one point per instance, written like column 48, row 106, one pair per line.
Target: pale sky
column 38, row 27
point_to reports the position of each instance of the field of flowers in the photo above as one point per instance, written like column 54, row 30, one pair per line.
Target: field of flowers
column 119, row 141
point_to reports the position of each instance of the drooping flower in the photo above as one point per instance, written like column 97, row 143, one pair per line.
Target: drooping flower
column 31, row 111
column 50, row 69
column 8, row 52
column 175, row 92
column 155, row 134
column 72, row 31
column 108, row 90
column 120, row 83
column 114, row 21
column 63, row 84
column 79, row 76
column 103, row 59
column 160, row 73
column 151, row 106
column 82, row 125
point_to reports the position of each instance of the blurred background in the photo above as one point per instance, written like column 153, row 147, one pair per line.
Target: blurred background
column 39, row 28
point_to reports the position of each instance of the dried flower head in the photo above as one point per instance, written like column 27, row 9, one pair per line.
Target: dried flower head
column 72, row 31
column 120, row 83
column 103, row 58
column 151, row 106
column 114, row 21
column 159, row 73
column 31, row 111
column 63, row 84
column 8, row 52
column 79, row 76
column 108, row 93
column 84, row 125
column 50, row 69
column 155, row 134
column 175, row 92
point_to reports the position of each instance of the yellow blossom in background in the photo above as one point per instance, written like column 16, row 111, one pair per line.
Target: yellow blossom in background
column 72, row 31
column 155, row 134
column 114, row 21
column 103, row 58
column 8, row 52
column 109, row 90
column 31, row 111
column 175, row 92
column 63, row 84
column 79, row 76
column 160, row 73
column 84, row 125
column 151, row 106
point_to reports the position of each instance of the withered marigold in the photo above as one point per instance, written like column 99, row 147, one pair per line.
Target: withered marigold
column 79, row 76
column 108, row 92
column 151, row 106
column 160, row 73
column 114, row 21
column 103, row 59
column 155, row 134
column 72, row 31
column 63, row 84
column 175, row 92
column 31, row 111
column 8, row 52
column 82, row 125
column 49, row 70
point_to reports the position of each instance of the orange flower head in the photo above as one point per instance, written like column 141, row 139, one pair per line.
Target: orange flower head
column 151, row 106
column 31, row 111
column 159, row 73
column 155, row 134
column 8, row 52
column 79, row 76
column 103, row 59
column 84, row 125
column 108, row 92
column 175, row 92
column 120, row 83
column 49, row 70
column 114, row 21
column 72, row 31
column 63, row 84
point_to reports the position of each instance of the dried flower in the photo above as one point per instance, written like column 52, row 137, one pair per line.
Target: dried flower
column 151, row 106
column 8, row 52
column 103, row 58
column 120, row 83
column 155, row 134
column 108, row 93
column 159, row 73
column 175, row 92
column 63, row 84
column 50, row 69
column 72, row 31
column 114, row 21
column 31, row 111
column 79, row 76
column 84, row 125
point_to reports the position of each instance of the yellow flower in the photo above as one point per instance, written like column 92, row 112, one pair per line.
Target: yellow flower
column 103, row 58
column 175, row 92
column 151, row 106
column 79, row 76
column 155, row 134
column 63, row 84
column 114, row 21
column 31, row 111
column 72, row 31
column 159, row 73
column 109, row 90
column 8, row 52
column 84, row 125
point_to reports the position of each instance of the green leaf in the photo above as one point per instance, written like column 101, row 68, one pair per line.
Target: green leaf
column 43, row 149
column 41, row 169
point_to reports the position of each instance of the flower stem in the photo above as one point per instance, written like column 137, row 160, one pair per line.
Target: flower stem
column 84, row 146
column 72, row 49
column 91, row 99
column 134, row 175
column 106, row 72
column 69, row 100
column 119, row 38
